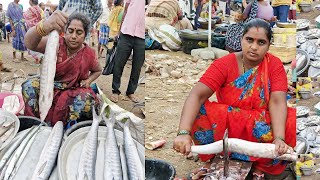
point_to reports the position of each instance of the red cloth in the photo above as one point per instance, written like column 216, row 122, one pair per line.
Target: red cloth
column 33, row 16
column 242, row 107
column 70, row 100
column 72, row 71
column 225, row 70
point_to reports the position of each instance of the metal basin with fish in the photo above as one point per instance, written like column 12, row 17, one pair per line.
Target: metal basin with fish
column 9, row 132
column 303, row 61
column 70, row 152
column 302, row 111
column 31, row 159
column 302, row 24
column 302, row 145
column 286, row 25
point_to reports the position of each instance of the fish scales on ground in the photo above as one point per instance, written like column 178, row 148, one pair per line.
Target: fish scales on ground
column 134, row 165
column 88, row 156
column 49, row 153
column 113, row 170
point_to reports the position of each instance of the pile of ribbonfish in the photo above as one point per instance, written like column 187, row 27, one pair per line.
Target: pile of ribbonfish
column 121, row 158
column 7, row 128
column 16, row 153
column 120, row 161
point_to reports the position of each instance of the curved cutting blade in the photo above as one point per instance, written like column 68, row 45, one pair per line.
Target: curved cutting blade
column 225, row 154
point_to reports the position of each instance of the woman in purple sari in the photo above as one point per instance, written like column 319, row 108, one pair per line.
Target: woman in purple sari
column 17, row 22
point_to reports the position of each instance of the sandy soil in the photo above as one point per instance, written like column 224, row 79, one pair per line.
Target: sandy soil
column 164, row 101
column 104, row 82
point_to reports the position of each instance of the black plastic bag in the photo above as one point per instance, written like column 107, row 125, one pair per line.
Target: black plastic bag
column 108, row 68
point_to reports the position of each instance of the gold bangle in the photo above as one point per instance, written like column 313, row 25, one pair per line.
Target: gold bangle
column 38, row 29
column 42, row 29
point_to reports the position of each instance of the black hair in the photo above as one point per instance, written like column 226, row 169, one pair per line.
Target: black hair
column 84, row 19
column 40, row 4
column 117, row 2
column 35, row 2
column 258, row 23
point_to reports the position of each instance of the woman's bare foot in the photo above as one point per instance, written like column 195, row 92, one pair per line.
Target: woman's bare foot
column 199, row 173
column 114, row 98
column 258, row 175
column 133, row 98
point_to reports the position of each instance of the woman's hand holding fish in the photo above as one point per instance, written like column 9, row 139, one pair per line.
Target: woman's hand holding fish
column 56, row 21
column 282, row 147
column 182, row 144
column 85, row 83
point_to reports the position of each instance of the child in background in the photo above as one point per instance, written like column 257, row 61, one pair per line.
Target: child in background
column 115, row 18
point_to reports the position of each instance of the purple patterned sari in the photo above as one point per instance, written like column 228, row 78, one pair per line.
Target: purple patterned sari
column 15, row 14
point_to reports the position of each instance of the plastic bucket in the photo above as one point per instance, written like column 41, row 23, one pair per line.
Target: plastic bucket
column 27, row 122
column 157, row 169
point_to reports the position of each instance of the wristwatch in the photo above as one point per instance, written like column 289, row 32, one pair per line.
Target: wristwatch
column 183, row 132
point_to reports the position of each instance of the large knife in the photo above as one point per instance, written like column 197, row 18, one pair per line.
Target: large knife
column 225, row 154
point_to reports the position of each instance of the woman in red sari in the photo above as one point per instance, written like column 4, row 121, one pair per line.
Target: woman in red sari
column 77, row 67
column 251, row 90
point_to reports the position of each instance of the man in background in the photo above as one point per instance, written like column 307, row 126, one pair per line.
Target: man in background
column 90, row 8
column 132, row 35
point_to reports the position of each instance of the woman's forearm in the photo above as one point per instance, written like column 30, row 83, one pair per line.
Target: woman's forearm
column 94, row 75
column 198, row 95
column 32, row 39
column 278, row 113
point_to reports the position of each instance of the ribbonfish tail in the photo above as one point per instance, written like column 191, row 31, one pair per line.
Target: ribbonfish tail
column 112, row 165
column 134, row 165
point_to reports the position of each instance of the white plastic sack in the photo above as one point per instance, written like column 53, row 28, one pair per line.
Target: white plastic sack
column 11, row 104
column 167, row 36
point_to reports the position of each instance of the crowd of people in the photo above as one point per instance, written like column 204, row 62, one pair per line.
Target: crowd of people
column 169, row 12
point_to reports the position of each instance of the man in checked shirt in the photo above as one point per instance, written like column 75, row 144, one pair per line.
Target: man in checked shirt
column 90, row 8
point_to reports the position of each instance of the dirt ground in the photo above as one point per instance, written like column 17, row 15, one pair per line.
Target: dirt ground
column 165, row 97
column 104, row 82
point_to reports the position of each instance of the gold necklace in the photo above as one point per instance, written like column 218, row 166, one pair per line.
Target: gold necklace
column 244, row 68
